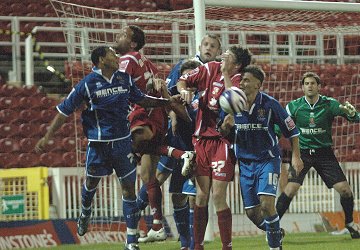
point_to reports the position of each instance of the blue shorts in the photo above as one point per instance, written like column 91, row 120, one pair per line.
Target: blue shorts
column 104, row 157
column 189, row 188
column 167, row 164
column 258, row 178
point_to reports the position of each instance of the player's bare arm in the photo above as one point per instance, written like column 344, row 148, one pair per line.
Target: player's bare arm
column 151, row 102
column 187, row 94
column 54, row 126
column 226, row 126
column 296, row 161
column 225, row 69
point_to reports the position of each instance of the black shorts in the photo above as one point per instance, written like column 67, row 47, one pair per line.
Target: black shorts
column 324, row 162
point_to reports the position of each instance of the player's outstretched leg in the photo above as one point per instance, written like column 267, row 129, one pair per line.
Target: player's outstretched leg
column 87, row 194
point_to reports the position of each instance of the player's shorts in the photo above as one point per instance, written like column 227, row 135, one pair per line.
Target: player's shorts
column 258, row 178
column 104, row 157
column 155, row 118
column 189, row 188
column 214, row 158
column 324, row 162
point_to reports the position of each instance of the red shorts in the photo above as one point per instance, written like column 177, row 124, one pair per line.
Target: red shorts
column 155, row 118
column 215, row 159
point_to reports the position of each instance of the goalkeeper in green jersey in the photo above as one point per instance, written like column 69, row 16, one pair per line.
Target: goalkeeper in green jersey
column 313, row 114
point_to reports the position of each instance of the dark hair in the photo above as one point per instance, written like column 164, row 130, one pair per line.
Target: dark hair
column 213, row 36
column 256, row 71
column 138, row 37
column 97, row 53
column 190, row 64
column 311, row 74
column 243, row 56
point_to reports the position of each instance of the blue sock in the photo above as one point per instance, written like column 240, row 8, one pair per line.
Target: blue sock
column 86, row 199
column 191, row 228
column 132, row 216
column 142, row 199
column 273, row 230
column 181, row 217
column 262, row 225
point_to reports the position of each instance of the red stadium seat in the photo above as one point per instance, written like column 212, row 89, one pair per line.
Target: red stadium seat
column 29, row 102
column 47, row 102
column 27, row 144
column 7, row 116
column 8, row 145
column 27, row 129
column 69, row 159
column 51, row 159
column 28, row 160
column 10, row 90
column 31, row 91
column 68, row 144
column 27, row 115
column 8, row 160
column 67, row 129
column 7, row 130
column 54, row 145
column 47, row 115
column 7, row 102
column 43, row 128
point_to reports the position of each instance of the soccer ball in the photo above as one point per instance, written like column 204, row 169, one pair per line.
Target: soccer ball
column 233, row 100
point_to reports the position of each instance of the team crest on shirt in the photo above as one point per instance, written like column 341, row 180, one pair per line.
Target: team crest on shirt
column 215, row 90
column 212, row 101
column 120, row 78
column 312, row 123
column 98, row 85
column 123, row 65
column 290, row 124
column 261, row 114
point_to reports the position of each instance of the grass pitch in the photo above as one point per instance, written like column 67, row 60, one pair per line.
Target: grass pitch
column 295, row 241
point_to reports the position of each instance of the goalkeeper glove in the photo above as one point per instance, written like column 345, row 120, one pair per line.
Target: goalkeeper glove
column 348, row 109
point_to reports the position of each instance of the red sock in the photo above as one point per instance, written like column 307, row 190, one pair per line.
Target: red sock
column 164, row 150
column 155, row 199
column 201, row 216
column 225, row 228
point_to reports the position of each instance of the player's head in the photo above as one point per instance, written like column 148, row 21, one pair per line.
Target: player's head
column 188, row 66
column 310, row 84
column 104, row 57
column 252, row 79
column 130, row 38
column 210, row 48
column 242, row 56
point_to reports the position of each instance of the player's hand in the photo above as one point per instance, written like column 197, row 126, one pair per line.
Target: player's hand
column 297, row 164
column 160, row 86
column 175, row 100
column 229, row 121
column 40, row 145
column 225, row 62
column 187, row 95
column 348, row 109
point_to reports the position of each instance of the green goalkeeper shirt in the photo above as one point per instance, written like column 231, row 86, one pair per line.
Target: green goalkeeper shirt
column 315, row 121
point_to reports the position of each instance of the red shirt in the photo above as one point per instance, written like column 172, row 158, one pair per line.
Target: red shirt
column 209, row 81
column 141, row 69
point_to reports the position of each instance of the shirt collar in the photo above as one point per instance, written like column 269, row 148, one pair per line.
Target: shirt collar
column 98, row 71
